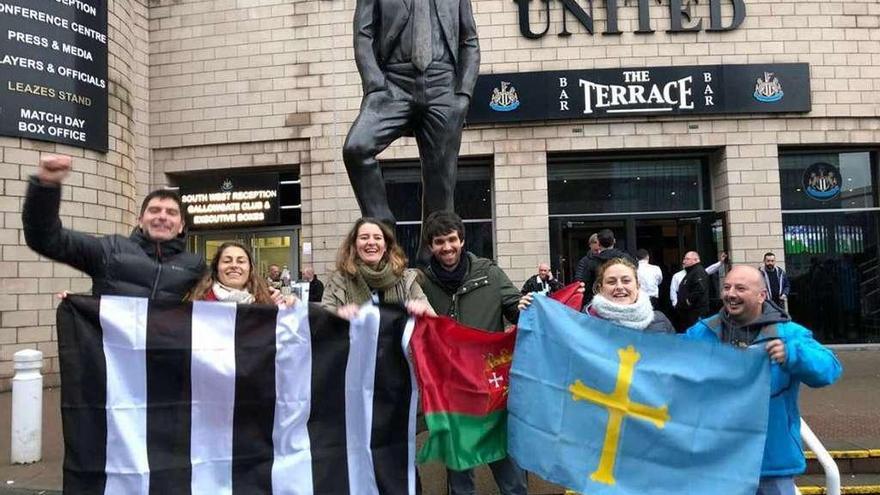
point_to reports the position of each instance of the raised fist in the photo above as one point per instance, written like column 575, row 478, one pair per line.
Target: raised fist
column 54, row 168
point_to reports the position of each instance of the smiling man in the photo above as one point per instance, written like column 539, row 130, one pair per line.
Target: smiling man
column 151, row 262
column 748, row 319
column 476, row 293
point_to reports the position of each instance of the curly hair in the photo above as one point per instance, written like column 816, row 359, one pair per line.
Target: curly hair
column 346, row 257
column 600, row 272
column 255, row 284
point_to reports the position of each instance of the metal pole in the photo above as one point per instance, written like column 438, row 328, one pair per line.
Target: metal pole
column 832, row 473
column 27, row 407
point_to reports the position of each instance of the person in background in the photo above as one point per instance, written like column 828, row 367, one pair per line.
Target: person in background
column 371, row 268
column 650, row 277
column 749, row 319
column 776, row 280
column 679, row 276
column 151, row 262
column 233, row 278
column 475, row 292
column 274, row 277
column 316, row 287
column 543, row 282
column 693, row 292
column 589, row 265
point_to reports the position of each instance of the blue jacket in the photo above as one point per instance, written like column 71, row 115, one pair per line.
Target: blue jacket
column 807, row 361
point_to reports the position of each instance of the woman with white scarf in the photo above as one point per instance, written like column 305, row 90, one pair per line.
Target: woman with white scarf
column 233, row 279
column 618, row 299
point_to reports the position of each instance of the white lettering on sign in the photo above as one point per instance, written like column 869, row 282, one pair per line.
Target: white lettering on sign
column 617, row 98
column 229, row 207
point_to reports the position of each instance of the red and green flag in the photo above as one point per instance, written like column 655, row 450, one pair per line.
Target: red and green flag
column 463, row 377
column 462, row 374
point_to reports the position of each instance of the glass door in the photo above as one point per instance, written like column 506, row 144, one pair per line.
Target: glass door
column 269, row 247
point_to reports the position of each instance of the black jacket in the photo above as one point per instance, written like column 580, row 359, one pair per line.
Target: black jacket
column 693, row 293
column 316, row 290
column 123, row 266
column 533, row 285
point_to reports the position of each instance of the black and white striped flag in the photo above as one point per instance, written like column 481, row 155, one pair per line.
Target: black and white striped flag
column 213, row 398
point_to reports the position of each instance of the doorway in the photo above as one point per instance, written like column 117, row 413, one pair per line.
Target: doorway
column 269, row 247
column 665, row 238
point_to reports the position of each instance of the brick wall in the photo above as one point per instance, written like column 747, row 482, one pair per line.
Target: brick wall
column 99, row 197
column 272, row 84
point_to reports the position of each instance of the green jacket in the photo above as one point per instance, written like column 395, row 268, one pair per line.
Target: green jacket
column 483, row 301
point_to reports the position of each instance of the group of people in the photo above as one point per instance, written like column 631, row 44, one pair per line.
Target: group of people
column 689, row 288
column 752, row 314
column 372, row 268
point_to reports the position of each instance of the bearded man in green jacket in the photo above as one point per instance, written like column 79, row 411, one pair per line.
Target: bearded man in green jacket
column 476, row 293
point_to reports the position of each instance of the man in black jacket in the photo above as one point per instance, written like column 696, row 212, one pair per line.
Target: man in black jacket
column 543, row 282
column 587, row 266
column 693, row 293
column 151, row 262
column 316, row 287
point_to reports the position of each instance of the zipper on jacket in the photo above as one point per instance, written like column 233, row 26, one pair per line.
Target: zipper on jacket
column 156, row 281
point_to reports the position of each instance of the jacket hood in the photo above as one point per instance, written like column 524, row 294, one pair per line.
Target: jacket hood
column 770, row 313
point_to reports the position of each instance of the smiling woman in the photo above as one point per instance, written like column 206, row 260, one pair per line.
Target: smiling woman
column 233, row 279
column 618, row 299
column 371, row 268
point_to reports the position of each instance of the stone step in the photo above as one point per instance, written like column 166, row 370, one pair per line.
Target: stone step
column 856, row 461
column 850, row 484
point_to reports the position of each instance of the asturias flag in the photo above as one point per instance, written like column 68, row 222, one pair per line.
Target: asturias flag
column 604, row 409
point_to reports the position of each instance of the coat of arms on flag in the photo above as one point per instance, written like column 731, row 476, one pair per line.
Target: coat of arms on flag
column 215, row 398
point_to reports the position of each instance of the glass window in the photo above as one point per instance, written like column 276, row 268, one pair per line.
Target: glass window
column 832, row 256
column 473, row 202
column 290, row 199
column 827, row 180
column 832, row 263
column 579, row 186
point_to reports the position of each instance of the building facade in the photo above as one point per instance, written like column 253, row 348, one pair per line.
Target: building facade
column 209, row 94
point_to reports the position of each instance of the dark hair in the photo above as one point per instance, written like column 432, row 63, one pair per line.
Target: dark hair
column 442, row 222
column 769, row 254
column 606, row 238
column 346, row 257
column 642, row 254
column 256, row 285
column 162, row 194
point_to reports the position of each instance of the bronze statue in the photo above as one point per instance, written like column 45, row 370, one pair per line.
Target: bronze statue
column 418, row 61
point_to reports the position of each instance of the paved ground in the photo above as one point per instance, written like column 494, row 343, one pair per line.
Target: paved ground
column 845, row 416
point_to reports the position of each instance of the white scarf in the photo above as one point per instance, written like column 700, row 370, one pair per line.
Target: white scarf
column 228, row 294
column 637, row 315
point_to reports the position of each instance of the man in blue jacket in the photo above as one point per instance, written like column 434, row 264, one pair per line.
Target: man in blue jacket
column 749, row 318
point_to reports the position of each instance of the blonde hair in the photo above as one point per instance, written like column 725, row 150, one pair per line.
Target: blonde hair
column 346, row 257
column 600, row 272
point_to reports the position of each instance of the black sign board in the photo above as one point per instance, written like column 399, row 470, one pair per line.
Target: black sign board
column 53, row 71
column 600, row 93
column 223, row 201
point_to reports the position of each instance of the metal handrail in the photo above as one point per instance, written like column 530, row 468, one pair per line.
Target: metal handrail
column 832, row 474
